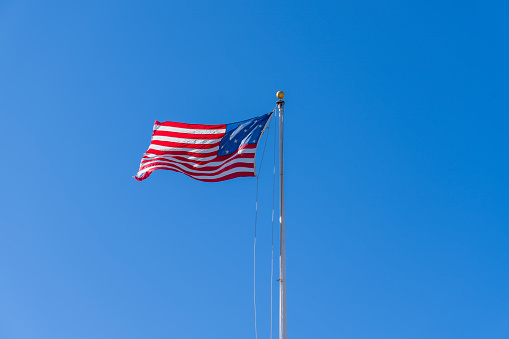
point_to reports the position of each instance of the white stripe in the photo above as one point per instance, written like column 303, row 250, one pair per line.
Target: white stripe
column 194, row 150
column 217, row 176
column 197, row 166
column 188, row 130
column 190, row 157
column 197, row 170
column 171, row 157
column 185, row 140
column 231, row 171
column 201, row 172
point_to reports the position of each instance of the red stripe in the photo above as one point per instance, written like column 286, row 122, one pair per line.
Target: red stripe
column 229, row 176
column 158, row 152
column 162, row 161
column 180, row 145
column 200, row 155
column 187, row 135
column 226, row 177
column 190, row 126
column 191, row 161
column 192, row 175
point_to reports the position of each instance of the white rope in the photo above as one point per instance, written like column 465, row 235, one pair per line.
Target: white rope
column 254, row 247
column 254, row 263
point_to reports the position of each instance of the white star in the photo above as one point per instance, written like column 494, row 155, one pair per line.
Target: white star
column 259, row 125
column 235, row 140
column 227, row 152
column 245, row 130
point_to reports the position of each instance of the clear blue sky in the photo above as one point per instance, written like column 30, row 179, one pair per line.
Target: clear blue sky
column 396, row 154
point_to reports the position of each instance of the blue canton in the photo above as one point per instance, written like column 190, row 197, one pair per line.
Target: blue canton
column 241, row 133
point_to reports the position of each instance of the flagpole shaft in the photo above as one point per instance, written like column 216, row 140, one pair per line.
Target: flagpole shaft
column 282, row 253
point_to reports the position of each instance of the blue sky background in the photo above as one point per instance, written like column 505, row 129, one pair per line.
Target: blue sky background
column 396, row 163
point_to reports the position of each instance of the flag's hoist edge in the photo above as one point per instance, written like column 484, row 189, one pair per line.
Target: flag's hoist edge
column 208, row 153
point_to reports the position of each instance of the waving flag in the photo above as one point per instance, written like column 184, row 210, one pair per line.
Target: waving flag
column 204, row 152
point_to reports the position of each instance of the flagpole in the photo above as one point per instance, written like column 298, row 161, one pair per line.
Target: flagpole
column 282, row 252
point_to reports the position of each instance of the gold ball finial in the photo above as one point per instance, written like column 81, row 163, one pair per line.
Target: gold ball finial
column 280, row 95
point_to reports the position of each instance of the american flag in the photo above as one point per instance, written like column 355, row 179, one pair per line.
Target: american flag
column 204, row 152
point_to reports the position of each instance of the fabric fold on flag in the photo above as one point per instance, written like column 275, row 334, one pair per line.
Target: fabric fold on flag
column 204, row 152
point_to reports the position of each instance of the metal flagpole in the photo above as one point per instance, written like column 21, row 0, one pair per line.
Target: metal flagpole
column 282, row 253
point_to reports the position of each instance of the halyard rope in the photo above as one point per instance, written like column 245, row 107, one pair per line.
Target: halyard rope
column 256, row 220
